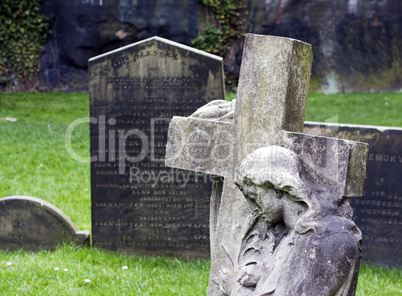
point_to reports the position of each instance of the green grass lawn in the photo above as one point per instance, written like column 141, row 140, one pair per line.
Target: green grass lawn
column 34, row 162
column 33, row 158
column 383, row 109
column 85, row 271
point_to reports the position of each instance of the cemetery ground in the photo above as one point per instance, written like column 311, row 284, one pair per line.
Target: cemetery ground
column 34, row 162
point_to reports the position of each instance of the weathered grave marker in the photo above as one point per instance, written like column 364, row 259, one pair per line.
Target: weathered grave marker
column 33, row 224
column 378, row 212
column 269, row 110
column 139, row 205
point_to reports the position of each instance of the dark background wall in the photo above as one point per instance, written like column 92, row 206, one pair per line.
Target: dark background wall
column 357, row 44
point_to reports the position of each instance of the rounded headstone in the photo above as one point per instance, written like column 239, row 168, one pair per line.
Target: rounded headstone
column 30, row 223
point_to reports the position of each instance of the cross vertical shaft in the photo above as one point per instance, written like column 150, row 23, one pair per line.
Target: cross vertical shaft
column 272, row 92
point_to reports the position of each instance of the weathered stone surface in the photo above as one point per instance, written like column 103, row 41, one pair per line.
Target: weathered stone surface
column 356, row 42
column 273, row 84
column 86, row 28
column 341, row 163
column 378, row 212
column 200, row 145
column 297, row 238
column 30, row 223
column 139, row 205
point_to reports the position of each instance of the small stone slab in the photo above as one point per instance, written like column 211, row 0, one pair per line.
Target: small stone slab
column 32, row 224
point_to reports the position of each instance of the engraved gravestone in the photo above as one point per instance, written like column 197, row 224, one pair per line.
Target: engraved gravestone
column 378, row 212
column 139, row 205
column 33, row 224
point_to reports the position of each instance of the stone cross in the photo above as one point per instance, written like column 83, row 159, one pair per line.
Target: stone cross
column 269, row 110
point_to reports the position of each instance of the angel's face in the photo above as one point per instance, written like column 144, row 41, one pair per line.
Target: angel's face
column 264, row 201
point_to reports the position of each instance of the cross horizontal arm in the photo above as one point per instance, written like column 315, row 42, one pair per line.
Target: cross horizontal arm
column 201, row 145
column 337, row 164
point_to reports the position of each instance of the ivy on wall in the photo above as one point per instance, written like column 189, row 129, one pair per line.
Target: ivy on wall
column 225, row 21
column 22, row 34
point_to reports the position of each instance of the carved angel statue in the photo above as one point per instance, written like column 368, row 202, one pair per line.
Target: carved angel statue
column 298, row 242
